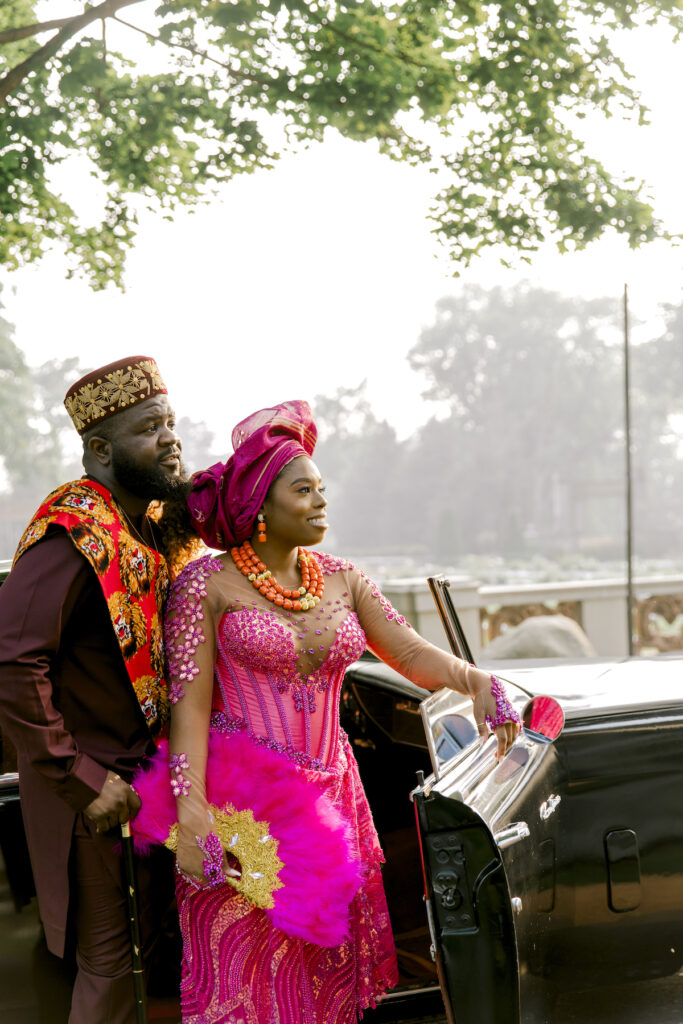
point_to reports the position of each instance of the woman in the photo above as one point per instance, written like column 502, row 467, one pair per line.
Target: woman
column 267, row 791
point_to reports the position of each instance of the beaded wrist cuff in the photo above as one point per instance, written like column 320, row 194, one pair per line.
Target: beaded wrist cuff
column 504, row 709
column 213, row 862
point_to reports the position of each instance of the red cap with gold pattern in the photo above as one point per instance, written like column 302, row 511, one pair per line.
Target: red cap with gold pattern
column 111, row 389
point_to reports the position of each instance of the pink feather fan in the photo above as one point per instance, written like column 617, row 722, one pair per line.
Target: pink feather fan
column 321, row 872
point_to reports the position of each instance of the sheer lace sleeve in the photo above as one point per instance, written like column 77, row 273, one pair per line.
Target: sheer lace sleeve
column 190, row 650
column 393, row 639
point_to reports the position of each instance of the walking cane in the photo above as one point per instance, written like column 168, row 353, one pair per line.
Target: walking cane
column 134, row 925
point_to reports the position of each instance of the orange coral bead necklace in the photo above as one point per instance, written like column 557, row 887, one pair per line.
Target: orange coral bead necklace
column 299, row 599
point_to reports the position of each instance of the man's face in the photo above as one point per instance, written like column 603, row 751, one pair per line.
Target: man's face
column 146, row 451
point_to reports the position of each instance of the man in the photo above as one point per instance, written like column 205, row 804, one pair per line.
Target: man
column 82, row 694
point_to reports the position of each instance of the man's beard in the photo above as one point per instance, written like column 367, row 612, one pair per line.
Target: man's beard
column 151, row 484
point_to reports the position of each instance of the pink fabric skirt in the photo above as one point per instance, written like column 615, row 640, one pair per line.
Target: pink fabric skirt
column 239, row 969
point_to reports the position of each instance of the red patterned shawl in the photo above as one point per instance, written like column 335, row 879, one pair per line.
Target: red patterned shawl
column 133, row 577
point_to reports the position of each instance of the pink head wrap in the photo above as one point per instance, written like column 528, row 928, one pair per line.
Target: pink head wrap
column 226, row 498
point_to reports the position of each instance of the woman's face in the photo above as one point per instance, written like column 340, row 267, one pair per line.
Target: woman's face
column 295, row 506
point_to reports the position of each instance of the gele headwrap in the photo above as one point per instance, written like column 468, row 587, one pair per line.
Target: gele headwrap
column 111, row 389
column 226, row 498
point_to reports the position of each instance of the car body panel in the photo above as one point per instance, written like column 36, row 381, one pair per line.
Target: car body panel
column 597, row 882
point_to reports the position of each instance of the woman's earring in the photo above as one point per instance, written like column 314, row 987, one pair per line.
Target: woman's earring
column 261, row 527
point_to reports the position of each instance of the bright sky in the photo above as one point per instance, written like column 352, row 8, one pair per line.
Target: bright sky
column 321, row 273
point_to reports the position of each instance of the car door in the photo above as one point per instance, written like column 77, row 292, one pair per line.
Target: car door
column 467, row 898
column 487, row 833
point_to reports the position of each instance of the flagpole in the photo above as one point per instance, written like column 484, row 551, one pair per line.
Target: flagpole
column 629, row 488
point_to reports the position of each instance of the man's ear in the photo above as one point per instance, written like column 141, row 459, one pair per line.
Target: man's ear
column 100, row 449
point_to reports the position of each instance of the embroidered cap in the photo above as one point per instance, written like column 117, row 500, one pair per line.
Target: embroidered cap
column 111, row 389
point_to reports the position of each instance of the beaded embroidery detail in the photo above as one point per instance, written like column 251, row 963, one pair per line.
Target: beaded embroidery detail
column 184, row 615
column 504, row 709
column 261, row 640
column 180, row 784
column 222, row 722
column 258, row 641
column 390, row 612
column 331, row 564
column 214, row 872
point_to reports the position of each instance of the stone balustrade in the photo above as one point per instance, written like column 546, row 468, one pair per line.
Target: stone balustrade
column 599, row 606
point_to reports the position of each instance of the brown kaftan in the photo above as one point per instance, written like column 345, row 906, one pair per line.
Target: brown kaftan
column 67, row 704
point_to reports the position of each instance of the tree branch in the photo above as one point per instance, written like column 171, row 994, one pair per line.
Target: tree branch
column 11, row 35
column 15, row 76
column 366, row 44
column 268, row 82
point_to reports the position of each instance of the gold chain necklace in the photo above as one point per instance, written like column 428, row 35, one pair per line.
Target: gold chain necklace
column 134, row 529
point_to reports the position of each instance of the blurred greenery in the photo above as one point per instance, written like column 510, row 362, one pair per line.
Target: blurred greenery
column 522, row 470
column 526, row 457
column 33, row 418
column 488, row 94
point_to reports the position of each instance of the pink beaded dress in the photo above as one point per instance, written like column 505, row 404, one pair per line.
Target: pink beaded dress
column 269, row 681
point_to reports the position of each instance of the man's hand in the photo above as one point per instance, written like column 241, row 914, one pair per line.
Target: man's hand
column 116, row 803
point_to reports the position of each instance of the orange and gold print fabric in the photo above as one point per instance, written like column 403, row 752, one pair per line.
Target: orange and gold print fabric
column 133, row 577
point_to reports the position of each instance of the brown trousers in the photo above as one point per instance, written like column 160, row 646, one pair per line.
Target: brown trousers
column 103, row 989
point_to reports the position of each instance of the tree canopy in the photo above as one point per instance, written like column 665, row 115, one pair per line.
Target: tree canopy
column 486, row 94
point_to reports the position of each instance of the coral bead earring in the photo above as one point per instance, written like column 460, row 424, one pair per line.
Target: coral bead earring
column 261, row 528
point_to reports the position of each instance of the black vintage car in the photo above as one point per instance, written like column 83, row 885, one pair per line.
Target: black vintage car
column 554, row 880
column 547, row 888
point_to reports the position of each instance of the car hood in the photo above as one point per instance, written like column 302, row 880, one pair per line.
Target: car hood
column 586, row 688
column 601, row 686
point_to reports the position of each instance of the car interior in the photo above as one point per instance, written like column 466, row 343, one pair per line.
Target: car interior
column 387, row 735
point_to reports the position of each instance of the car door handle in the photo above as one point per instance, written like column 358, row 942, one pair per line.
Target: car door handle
column 511, row 834
column 548, row 806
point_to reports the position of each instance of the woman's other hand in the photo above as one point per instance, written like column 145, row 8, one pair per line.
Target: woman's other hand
column 490, row 704
column 199, row 865
column 190, row 860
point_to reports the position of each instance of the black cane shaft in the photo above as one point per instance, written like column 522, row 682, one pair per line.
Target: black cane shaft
column 134, row 925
